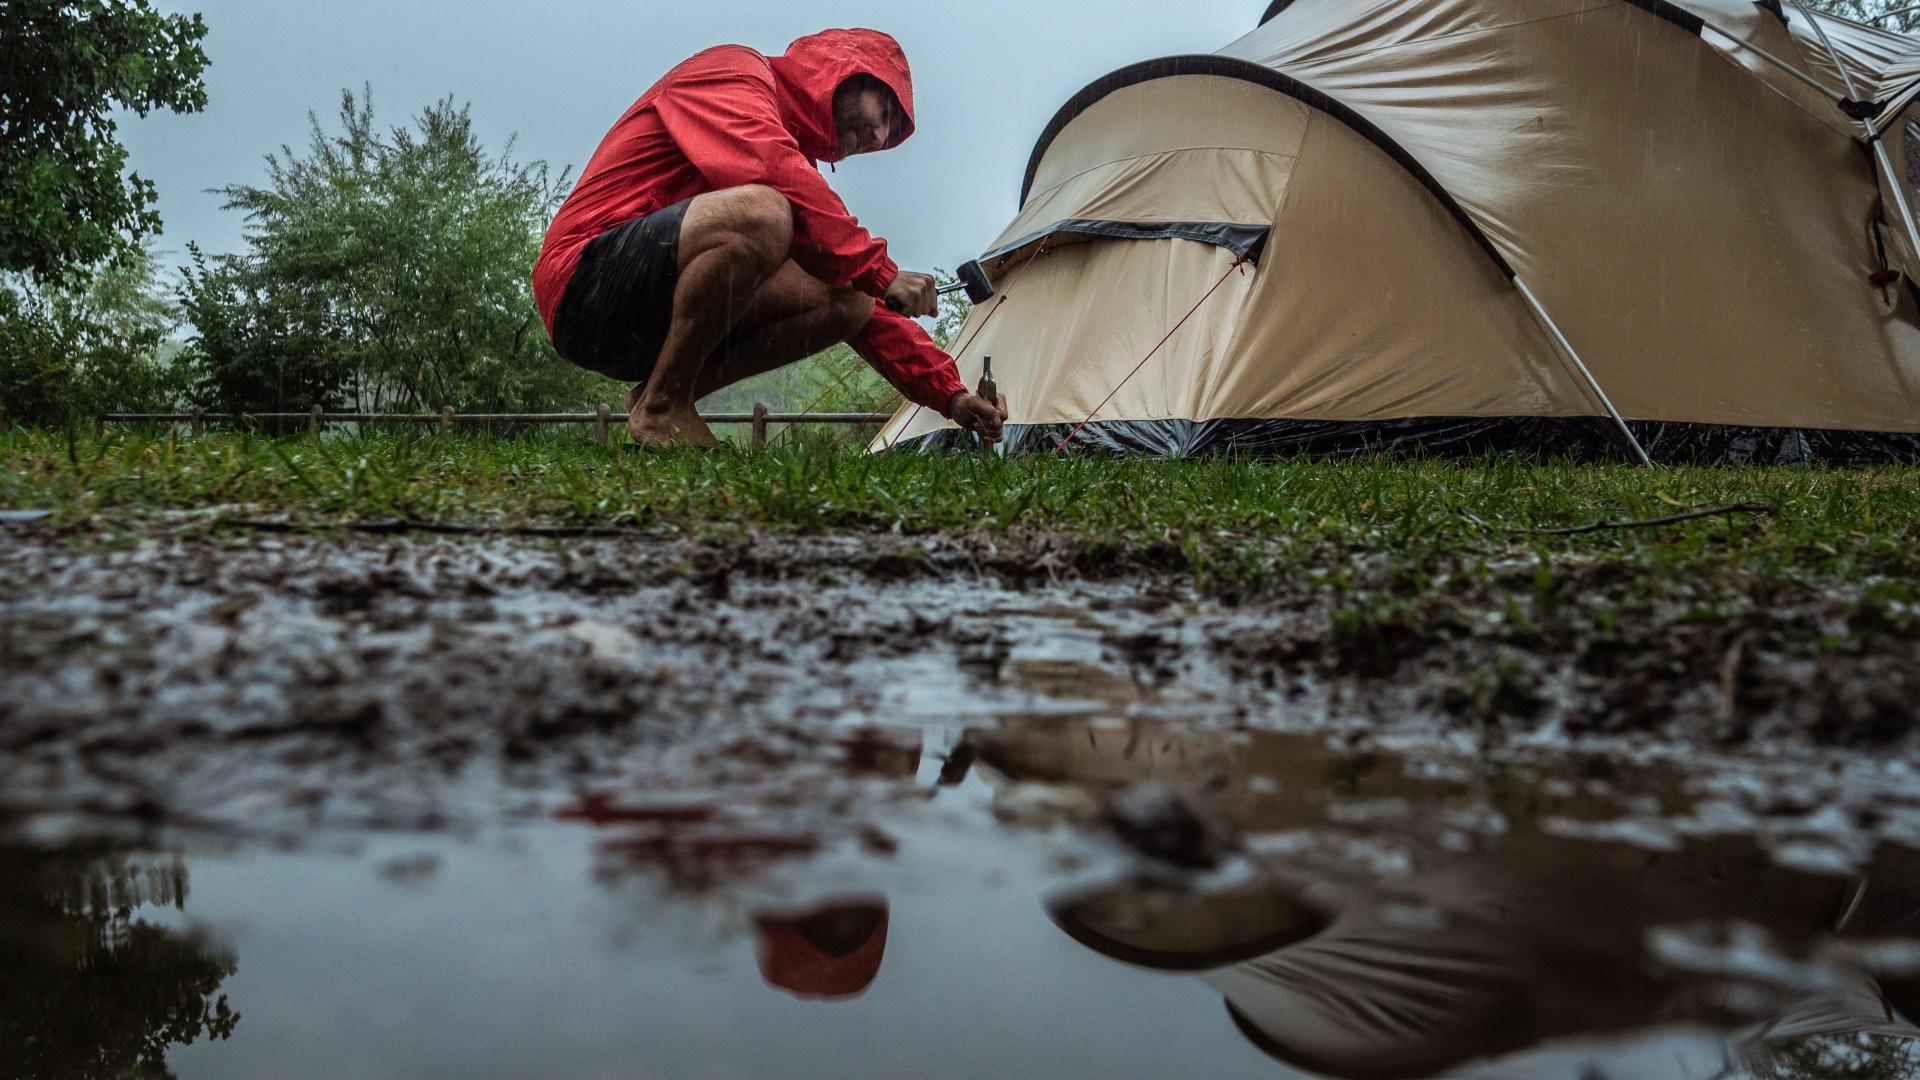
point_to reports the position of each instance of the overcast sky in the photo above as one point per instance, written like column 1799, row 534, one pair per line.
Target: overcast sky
column 987, row 77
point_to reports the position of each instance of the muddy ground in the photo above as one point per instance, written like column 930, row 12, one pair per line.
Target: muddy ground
column 229, row 678
column 491, row 786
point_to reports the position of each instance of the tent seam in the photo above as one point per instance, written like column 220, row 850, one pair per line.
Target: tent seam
column 1036, row 196
column 1287, row 199
column 1485, row 29
column 1725, row 55
column 1292, row 86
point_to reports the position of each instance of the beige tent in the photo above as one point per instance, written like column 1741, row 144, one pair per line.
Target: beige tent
column 1544, row 225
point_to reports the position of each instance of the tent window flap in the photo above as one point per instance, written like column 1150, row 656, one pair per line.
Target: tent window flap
column 1244, row 240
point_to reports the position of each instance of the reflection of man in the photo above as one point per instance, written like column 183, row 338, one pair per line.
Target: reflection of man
column 828, row 953
column 702, row 246
column 832, row 951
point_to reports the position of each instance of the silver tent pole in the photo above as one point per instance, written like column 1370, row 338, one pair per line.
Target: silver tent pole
column 1894, row 179
column 1763, row 54
column 1540, row 311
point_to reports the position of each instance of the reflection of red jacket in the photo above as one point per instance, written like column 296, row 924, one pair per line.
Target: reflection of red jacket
column 728, row 117
column 818, row 961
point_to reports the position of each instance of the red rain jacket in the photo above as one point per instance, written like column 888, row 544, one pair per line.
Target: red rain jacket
column 729, row 117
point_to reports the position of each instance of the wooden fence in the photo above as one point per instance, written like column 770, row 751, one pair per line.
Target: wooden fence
column 447, row 419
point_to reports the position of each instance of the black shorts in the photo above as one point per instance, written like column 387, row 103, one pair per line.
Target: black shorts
column 614, row 315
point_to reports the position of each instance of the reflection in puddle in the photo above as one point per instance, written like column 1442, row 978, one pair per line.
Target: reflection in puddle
column 1070, row 681
column 829, row 953
column 1175, row 929
column 1355, row 915
column 89, row 985
column 1083, row 888
column 1402, row 926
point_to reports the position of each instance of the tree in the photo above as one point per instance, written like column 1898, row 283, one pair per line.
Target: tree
column 254, row 348
column 1900, row 15
column 101, row 342
column 90, row 988
column 1861, row 1056
column 65, row 66
column 389, row 270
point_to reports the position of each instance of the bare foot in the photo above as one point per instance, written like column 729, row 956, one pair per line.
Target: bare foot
column 670, row 427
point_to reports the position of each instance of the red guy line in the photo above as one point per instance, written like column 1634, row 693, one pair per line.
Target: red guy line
column 1237, row 264
column 1005, row 295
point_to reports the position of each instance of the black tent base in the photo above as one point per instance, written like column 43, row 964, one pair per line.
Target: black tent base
column 1539, row 438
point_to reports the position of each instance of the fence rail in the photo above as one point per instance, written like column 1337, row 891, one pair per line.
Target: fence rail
column 602, row 419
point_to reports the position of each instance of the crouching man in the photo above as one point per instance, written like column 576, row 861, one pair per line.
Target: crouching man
column 702, row 246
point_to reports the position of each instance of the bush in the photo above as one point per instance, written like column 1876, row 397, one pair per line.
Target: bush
column 386, row 272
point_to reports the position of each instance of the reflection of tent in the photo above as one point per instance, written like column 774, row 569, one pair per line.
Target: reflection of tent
column 1450, row 206
column 1525, row 955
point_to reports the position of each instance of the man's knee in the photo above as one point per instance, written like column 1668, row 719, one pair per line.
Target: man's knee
column 762, row 218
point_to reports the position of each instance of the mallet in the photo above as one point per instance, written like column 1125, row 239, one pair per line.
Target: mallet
column 973, row 278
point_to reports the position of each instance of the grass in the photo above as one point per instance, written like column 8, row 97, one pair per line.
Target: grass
column 1234, row 520
column 1378, row 567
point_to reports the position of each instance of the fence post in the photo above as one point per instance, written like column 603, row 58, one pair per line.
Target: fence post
column 600, row 425
column 446, row 420
column 6, row 423
column 759, row 425
column 99, row 426
column 199, row 422
column 314, row 416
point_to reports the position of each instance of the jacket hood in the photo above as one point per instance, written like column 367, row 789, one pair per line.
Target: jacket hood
column 815, row 66
column 795, row 959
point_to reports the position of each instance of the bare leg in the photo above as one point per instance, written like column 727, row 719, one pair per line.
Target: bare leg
column 793, row 317
column 731, row 243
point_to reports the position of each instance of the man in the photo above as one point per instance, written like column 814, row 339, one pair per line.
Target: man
column 702, row 246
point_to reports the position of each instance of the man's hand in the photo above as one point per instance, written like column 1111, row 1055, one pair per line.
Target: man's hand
column 913, row 295
column 978, row 415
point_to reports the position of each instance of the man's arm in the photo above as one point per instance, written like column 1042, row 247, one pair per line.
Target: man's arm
column 900, row 350
column 725, row 117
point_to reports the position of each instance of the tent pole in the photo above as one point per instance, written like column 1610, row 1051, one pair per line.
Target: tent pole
column 1873, row 133
column 1763, row 54
column 1894, row 182
column 1593, row 384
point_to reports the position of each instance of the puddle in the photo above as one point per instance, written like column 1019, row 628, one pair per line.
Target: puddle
column 375, row 827
column 1358, row 914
